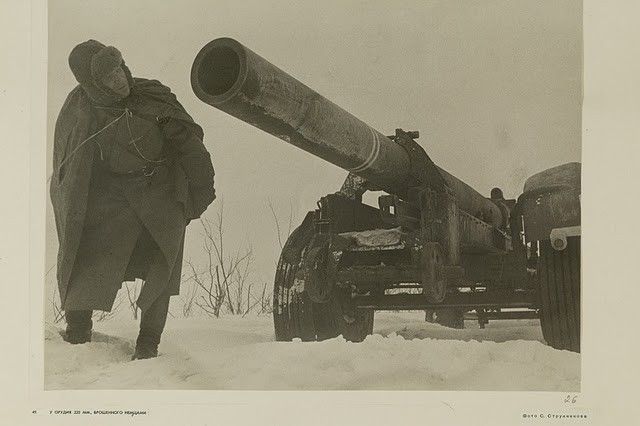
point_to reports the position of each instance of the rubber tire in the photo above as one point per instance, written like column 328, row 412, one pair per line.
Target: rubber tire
column 296, row 316
column 559, row 280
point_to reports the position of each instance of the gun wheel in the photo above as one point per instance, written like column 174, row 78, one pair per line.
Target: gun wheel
column 295, row 315
column 292, row 310
column 559, row 280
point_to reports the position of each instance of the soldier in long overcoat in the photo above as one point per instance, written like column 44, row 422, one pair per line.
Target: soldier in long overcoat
column 130, row 171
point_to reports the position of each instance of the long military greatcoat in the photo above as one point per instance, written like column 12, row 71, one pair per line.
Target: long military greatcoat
column 116, row 228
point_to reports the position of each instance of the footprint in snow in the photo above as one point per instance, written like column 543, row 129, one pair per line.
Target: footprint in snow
column 114, row 343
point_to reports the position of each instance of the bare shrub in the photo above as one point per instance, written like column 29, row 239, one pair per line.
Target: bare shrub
column 282, row 231
column 188, row 293
column 58, row 313
column 133, row 291
column 54, row 300
column 222, row 282
column 99, row 316
column 266, row 303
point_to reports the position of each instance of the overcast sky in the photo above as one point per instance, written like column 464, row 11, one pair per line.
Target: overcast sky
column 493, row 86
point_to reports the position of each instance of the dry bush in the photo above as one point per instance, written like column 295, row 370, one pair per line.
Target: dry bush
column 266, row 302
column 133, row 291
column 54, row 301
column 281, row 232
column 99, row 316
column 223, row 282
column 188, row 293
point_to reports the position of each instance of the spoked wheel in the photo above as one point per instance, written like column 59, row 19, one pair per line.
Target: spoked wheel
column 559, row 280
column 295, row 315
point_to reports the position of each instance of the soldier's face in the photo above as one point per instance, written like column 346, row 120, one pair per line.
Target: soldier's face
column 117, row 81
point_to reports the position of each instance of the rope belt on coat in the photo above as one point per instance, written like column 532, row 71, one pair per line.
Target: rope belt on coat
column 127, row 114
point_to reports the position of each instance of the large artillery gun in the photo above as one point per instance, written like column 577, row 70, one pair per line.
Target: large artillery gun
column 433, row 243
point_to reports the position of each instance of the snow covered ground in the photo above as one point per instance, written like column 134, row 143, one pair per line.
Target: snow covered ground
column 240, row 353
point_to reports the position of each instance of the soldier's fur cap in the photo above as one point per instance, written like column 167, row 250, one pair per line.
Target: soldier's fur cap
column 90, row 61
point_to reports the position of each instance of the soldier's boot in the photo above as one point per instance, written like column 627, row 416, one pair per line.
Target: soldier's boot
column 146, row 344
column 152, row 322
column 79, row 326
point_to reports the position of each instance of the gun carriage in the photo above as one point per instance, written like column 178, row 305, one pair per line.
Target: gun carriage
column 433, row 243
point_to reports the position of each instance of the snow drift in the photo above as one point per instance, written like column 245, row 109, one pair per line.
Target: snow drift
column 239, row 353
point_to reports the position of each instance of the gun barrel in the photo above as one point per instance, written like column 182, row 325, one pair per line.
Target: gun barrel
column 232, row 78
column 229, row 76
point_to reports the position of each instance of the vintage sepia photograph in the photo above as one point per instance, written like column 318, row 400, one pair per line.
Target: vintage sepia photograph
column 338, row 195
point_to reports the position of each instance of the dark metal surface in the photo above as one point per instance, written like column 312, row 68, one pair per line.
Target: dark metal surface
column 551, row 199
column 497, row 269
column 378, row 275
column 397, row 212
column 337, row 214
column 477, row 236
column 234, row 79
column 470, row 201
column 543, row 212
